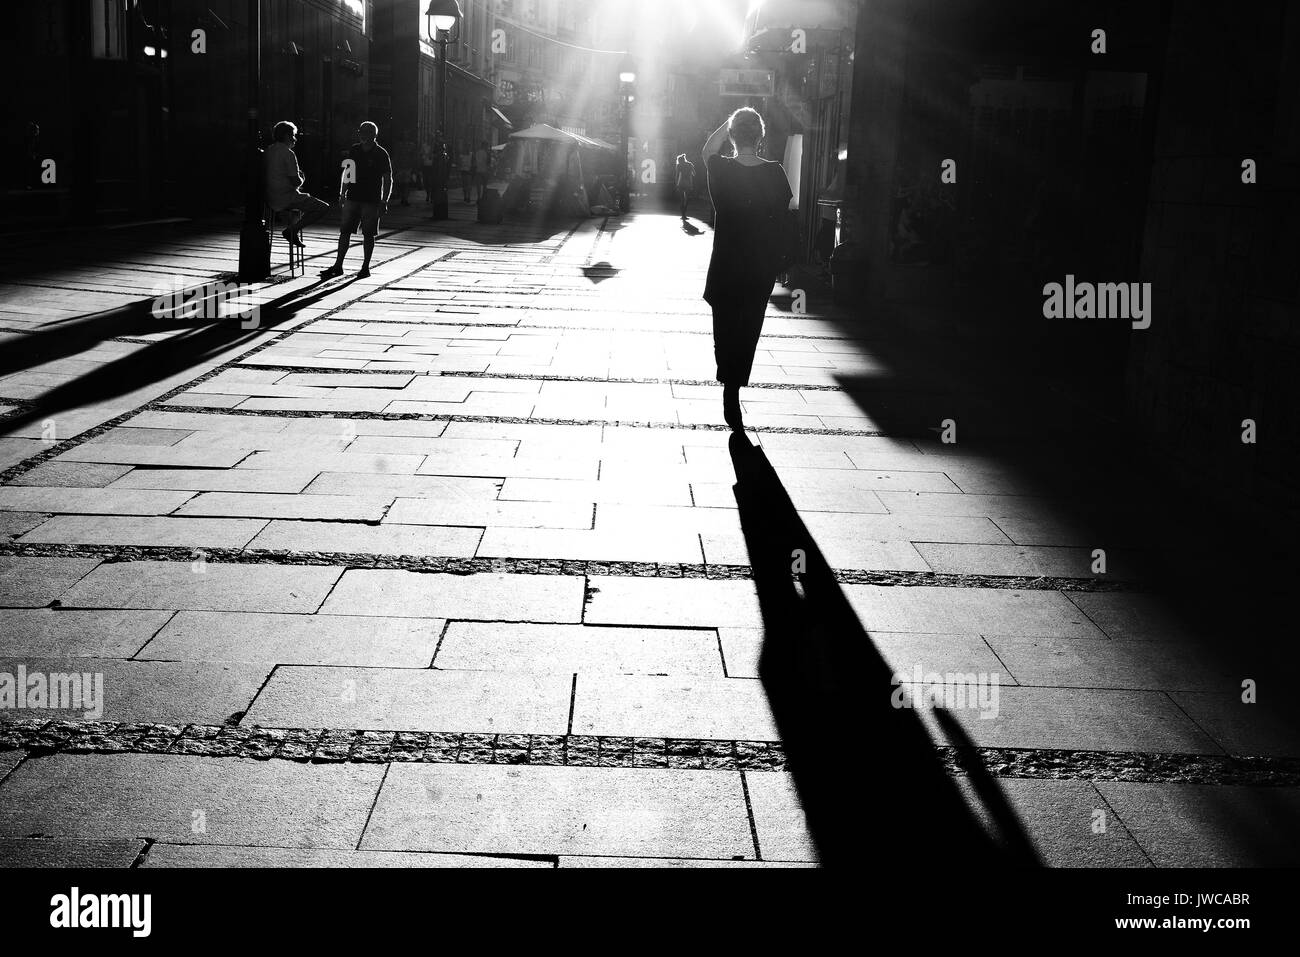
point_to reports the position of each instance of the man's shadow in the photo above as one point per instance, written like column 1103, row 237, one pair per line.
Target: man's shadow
column 202, row 340
column 690, row 229
column 867, row 772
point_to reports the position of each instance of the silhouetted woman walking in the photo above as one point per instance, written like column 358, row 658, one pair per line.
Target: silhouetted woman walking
column 750, row 195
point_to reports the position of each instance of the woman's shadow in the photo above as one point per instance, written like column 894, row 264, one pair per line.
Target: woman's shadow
column 867, row 772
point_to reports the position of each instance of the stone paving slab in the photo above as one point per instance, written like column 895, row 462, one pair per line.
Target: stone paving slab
column 176, row 693
column 1187, row 825
column 634, row 812
column 519, row 515
column 168, row 797
column 652, row 490
column 91, row 501
column 1267, row 727
column 689, row 603
column 333, row 427
column 204, row 422
column 390, row 699
column 585, row 545
column 341, row 508
column 160, row 456
column 729, row 548
column 902, row 652
column 68, row 853
column 296, row 639
column 987, row 611
column 967, row 504
column 1078, row 719
column 128, row 435
column 673, row 707
column 323, row 461
column 35, row 582
column 10, row 760
column 1082, row 531
column 779, row 823
column 214, row 855
column 14, row 524
column 580, row 649
column 505, row 467
column 1068, row 823
column 805, row 498
column 145, row 531
column 1024, row 560
column 71, row 475
column 1090, row 663
column 1132, row 617
column 355, row 538
column 212, row 480
column 281, row 442
column 209, row 586
column 423, row 445
column 15, row 450
column 436, row 487
column 203, row 400
column 77, row 634
column 486, row 597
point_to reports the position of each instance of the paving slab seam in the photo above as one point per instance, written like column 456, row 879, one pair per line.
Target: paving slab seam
column 162, row 405
column 336, row 745
column 435, row 564
column 56, row 449
column 345, row 745
column 139, row 859
column 527, row 376
column 564, row 309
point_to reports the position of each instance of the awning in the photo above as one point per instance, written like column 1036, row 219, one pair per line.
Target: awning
column 500, row 119
column 543, row 132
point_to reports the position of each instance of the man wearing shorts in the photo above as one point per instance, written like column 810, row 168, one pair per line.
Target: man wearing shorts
column 366, row 184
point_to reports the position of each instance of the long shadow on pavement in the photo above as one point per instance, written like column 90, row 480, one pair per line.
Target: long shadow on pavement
column 152, row 363
column 867, row 773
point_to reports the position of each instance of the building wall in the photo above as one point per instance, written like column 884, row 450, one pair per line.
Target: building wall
column 1224, row 257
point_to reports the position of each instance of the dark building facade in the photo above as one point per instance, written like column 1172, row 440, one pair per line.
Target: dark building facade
column 1121, row 163
column 144, row 105
column 405, row 94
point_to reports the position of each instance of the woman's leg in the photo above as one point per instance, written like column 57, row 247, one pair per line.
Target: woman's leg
column 748, row 329
column 728, row 349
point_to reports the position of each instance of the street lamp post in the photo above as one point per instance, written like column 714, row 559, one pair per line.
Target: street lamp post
column 254, row 248
column 444, row 18
column 626, row 95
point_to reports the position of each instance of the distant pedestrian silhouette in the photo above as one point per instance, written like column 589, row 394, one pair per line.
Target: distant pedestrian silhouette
column 751, row 196
column 685, row 182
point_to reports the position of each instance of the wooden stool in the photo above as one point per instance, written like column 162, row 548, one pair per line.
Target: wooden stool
column 297, row 254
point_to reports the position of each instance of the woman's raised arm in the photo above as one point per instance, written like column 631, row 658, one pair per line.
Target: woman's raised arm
column 713, row 145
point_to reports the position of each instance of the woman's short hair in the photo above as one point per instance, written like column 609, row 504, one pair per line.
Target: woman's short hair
column 746, row 127
column 283, row 130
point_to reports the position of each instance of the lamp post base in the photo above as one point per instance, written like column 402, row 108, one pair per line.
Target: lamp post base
column 254, row 252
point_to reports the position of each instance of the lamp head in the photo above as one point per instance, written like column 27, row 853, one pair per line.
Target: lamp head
column 444, row 14
column 627, row 70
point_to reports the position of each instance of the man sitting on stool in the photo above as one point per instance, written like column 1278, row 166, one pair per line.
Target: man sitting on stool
column 284, row 182
column 364, row 190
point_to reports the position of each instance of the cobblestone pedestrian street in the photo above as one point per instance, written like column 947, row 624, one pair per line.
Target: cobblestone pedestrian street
column 458, row 565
